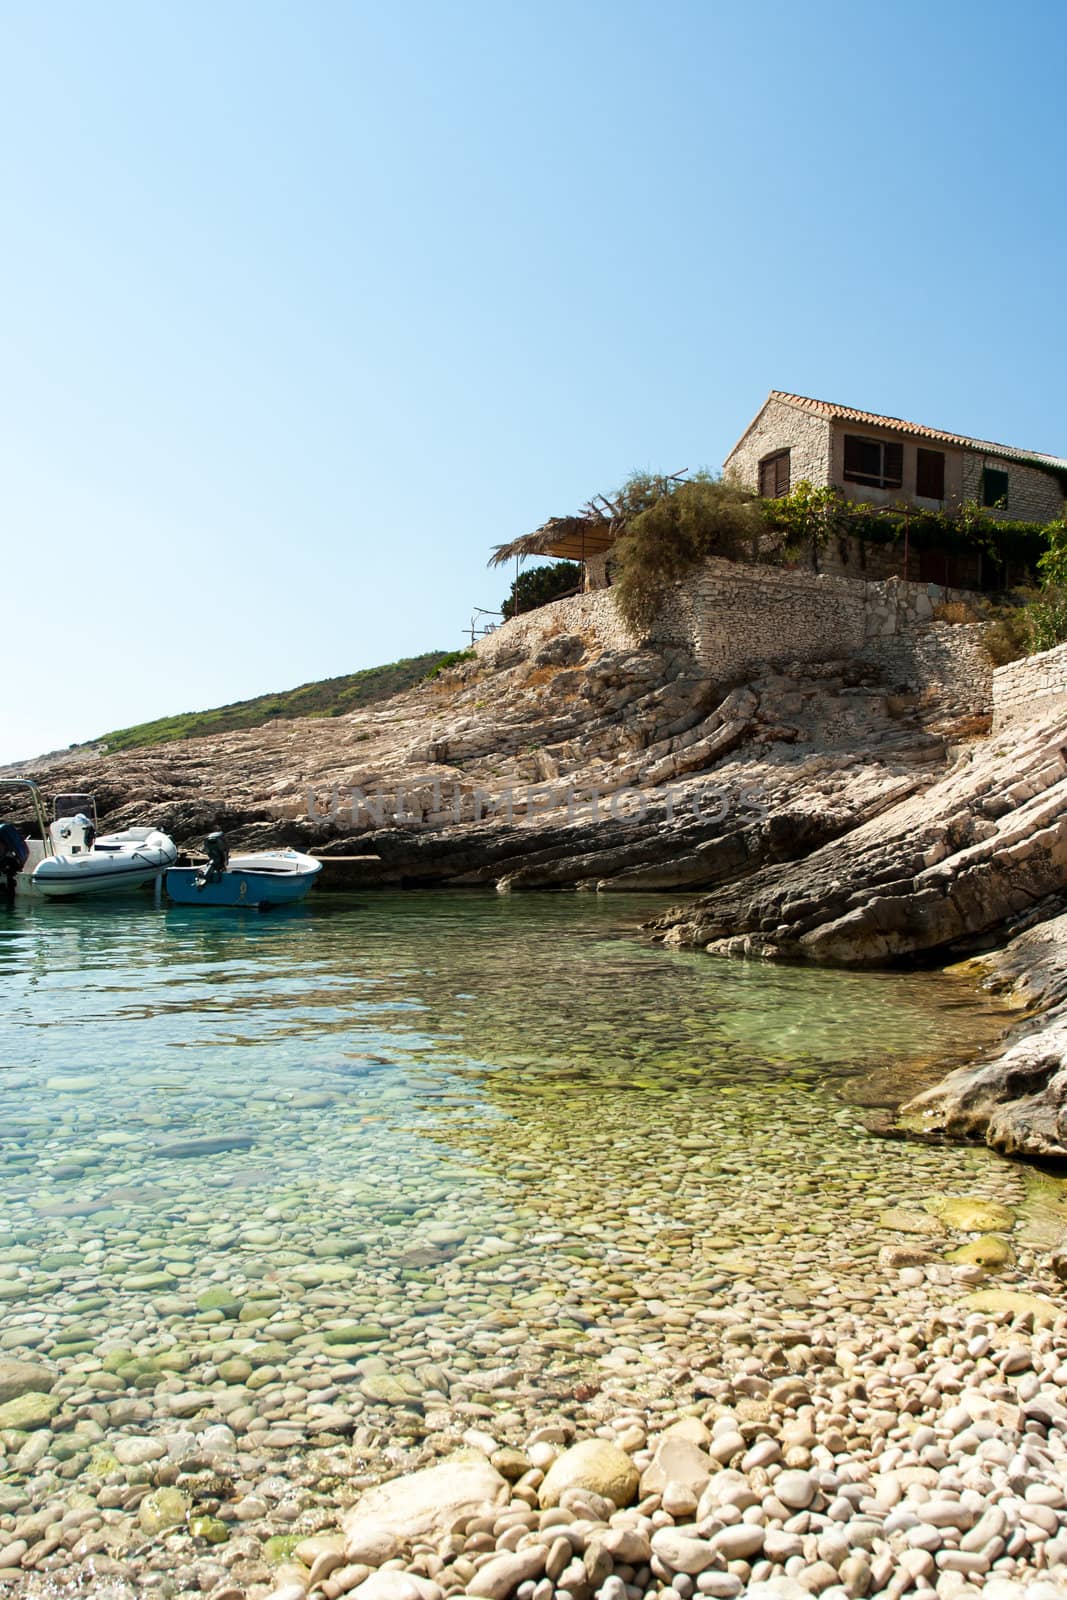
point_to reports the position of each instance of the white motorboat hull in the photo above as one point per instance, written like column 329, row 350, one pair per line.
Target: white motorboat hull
column 116, row 864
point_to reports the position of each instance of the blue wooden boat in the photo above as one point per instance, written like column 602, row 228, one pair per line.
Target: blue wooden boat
column 261, row 878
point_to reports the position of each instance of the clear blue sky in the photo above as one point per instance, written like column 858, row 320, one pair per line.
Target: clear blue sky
column 305, row 307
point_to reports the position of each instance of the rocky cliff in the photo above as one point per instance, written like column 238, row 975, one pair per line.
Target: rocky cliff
column 982, row 847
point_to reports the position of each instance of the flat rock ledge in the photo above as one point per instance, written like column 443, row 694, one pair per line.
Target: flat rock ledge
column 1015, row 1101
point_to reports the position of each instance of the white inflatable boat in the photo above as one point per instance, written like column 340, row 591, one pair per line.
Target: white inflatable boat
column 71, row 859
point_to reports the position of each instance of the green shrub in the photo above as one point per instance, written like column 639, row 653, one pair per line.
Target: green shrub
column 540, row 585
column 671, row 528
column 1037, row 622
column 1053, row 564
column 807, row 517
column 1007, row 636
column 1005, row 543
column 1048, row 619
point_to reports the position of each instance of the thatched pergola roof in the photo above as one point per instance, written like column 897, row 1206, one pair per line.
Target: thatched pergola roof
column 589, row 532
column 576, row 538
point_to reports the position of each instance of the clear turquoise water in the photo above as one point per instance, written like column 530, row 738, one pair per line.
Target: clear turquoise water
column 437, row 1105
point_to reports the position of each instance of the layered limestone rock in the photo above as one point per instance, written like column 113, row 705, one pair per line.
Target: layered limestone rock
column 962, row 864
column 982, row 847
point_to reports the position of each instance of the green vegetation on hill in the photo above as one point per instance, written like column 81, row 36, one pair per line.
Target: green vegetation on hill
column 330, row 697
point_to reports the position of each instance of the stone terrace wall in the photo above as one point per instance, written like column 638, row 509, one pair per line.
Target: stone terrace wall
column 592, row 615
column 945, row 662
column 1029, row 688
column 738, row 619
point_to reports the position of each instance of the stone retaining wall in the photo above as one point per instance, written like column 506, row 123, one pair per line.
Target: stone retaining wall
column 1029, row 688
column 738, row 619
column 593, row 616
column 945, row 662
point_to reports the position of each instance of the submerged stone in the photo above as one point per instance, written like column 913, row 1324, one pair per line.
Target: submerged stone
column 211, row 1145
column 426, row 1505
column 1016, row 1302
column 210, row 1529
column 907, row 1221
column 354, row 1333
column 380, row 1386
column 163, row 1508
column 280, row 1546
column 23, row 1377
column 970, row 1213
column 990, row 1252
column 30, row 1410
column 149, row 1280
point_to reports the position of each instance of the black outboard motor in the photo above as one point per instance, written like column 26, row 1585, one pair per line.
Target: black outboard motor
column 14, row 853
column 218, row 859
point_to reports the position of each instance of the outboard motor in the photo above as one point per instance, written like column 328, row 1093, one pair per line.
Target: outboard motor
column 14, row 853
column 218, row 859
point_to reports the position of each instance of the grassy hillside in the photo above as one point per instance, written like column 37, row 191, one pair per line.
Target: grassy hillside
column 330, row 697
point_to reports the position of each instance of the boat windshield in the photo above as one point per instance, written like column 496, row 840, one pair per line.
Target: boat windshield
column 74, row 805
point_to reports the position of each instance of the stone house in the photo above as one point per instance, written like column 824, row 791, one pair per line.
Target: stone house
column 885, row 461
column 879, row 461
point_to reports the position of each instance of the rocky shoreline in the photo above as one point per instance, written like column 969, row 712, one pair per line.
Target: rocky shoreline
column 1016, row 1100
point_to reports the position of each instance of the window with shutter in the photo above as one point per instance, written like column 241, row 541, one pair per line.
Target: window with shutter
column 930, row 474
column 774, row 475
column 995, row 488
column 874, row 462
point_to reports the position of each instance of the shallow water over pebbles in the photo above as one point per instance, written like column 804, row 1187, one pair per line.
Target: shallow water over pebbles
column 460, row 1150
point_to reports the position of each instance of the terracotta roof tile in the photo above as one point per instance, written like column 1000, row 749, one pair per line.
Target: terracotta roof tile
column 836, row 413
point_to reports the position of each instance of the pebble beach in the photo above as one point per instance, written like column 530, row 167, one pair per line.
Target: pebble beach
column 440, row 1306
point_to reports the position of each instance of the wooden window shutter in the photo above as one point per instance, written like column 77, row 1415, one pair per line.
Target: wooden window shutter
column 774, row 475
column 994, row 487
column 930, row 474
column 893, row 466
